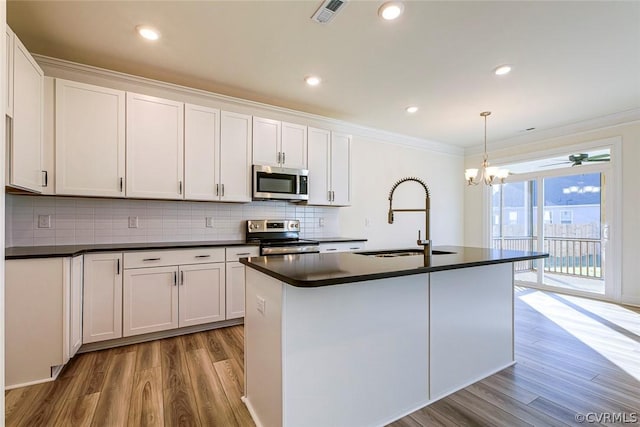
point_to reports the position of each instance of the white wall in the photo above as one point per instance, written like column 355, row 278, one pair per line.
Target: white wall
column 76, row 220
column 376, row 167
column 628, row 205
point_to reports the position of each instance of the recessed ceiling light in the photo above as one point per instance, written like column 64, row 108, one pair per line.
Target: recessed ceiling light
column 411, row 109
column 391, row 10
column 502, row 70
column 312, row 80
column 148, row 32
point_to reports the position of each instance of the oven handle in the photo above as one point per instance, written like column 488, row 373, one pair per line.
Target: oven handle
column 291, row 250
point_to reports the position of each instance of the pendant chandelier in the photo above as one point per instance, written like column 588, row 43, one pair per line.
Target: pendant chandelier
column 488, row 174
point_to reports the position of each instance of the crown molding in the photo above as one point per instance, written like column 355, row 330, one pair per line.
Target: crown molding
column 621, row 118
column 378, row 135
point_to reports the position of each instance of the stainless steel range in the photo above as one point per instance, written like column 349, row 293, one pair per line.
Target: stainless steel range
column 279, row 237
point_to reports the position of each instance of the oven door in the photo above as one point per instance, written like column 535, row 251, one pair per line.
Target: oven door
column 280, row 183
column 289, row 250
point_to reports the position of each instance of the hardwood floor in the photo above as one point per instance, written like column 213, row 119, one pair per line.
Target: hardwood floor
column 575, row 356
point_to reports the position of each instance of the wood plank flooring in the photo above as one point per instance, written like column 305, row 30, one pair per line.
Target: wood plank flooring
column 575, row 356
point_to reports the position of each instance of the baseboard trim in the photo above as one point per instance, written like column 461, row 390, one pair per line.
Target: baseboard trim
column 136, row 339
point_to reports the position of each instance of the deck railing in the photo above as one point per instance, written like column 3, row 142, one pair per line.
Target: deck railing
column 571, row 256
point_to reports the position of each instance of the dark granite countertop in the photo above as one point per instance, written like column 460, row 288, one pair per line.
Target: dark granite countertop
column 23, row 252
column 313, row 270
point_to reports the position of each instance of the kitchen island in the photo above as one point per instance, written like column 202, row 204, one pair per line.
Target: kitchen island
column 361, row 340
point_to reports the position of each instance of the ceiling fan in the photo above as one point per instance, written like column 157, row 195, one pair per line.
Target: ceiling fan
column 578, row 159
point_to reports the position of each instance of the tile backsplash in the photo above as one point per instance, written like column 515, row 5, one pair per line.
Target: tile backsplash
column 76, row 220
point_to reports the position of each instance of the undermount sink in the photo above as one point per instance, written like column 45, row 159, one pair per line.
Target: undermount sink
column 403, row 252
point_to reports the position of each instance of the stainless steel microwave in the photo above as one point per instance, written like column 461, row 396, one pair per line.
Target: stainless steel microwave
column 274, row 183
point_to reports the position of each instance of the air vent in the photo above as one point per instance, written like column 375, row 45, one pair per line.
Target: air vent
column 327, row 11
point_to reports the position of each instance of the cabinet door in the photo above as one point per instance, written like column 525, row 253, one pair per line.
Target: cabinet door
column 150, row 300
column 154, row 147
column 235, row 290
column 102, row 297
column 202, row 294
column 294, row 146
column 48, row 137
column 266, row 142
column 26, row 133
column 90, row 144
column 33, row 319
column 235, row 157
column 201, row 152
column 319, row 153
column 341, row 169
column 75, row 305
column 9, row 70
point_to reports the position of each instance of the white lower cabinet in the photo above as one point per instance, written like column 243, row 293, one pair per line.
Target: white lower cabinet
column 201, row 294
column 75, row 305
column 150, row 300
column 171, row 294
column 236, row 279
column 35, row 311
column 102, row 302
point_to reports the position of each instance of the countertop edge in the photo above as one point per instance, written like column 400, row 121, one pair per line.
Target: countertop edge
column 76, row 250
column 383, row 275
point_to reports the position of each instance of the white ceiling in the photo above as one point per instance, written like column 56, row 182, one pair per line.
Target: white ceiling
column 572, row 61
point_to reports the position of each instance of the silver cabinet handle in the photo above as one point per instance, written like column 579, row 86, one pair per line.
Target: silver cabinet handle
column 279, row 157
column 353, row 249
column 284, row 157
column 151, row 259
column 175, row 278
column 203, row 256
column 217, row 189
column 329, row 196
column 179, row 187
column 45, row 178
column 222, row 186
column 243, row 253
column 331, row 249
column 118, row 267
column 333, row 196
column 181, row 278
column 121, row 184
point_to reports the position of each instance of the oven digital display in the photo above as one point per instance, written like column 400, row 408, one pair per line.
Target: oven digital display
column 275, row 225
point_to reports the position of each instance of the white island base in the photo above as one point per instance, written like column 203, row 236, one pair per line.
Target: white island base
column 369, row 353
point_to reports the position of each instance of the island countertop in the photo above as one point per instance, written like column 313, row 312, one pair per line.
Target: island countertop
column 314, row 270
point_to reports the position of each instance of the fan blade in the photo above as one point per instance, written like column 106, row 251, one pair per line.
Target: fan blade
column 555, row 164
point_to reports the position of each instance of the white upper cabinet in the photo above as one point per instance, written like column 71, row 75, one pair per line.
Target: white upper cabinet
column 217, row 155
column 279, row 144
column 319, row 155
column 329, row 168
column 154, row 147
column 266, row 141
column 340, row 169
column 90, row 140
column 26, row 129
column 235, row 157
column 9, row 70
column 294, row 146
column 201, row 152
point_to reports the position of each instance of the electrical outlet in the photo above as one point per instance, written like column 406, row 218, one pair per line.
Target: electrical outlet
column 261, row 304
column 133, row 222
column 208, row 221
column 320, row 222
column 44, row 221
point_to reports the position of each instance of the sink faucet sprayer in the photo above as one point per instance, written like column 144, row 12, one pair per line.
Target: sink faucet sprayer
column 426, row 242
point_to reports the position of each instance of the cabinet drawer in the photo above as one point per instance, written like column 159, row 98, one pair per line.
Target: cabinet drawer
column 341, row 247
column 172, row 257
column 235, row 253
